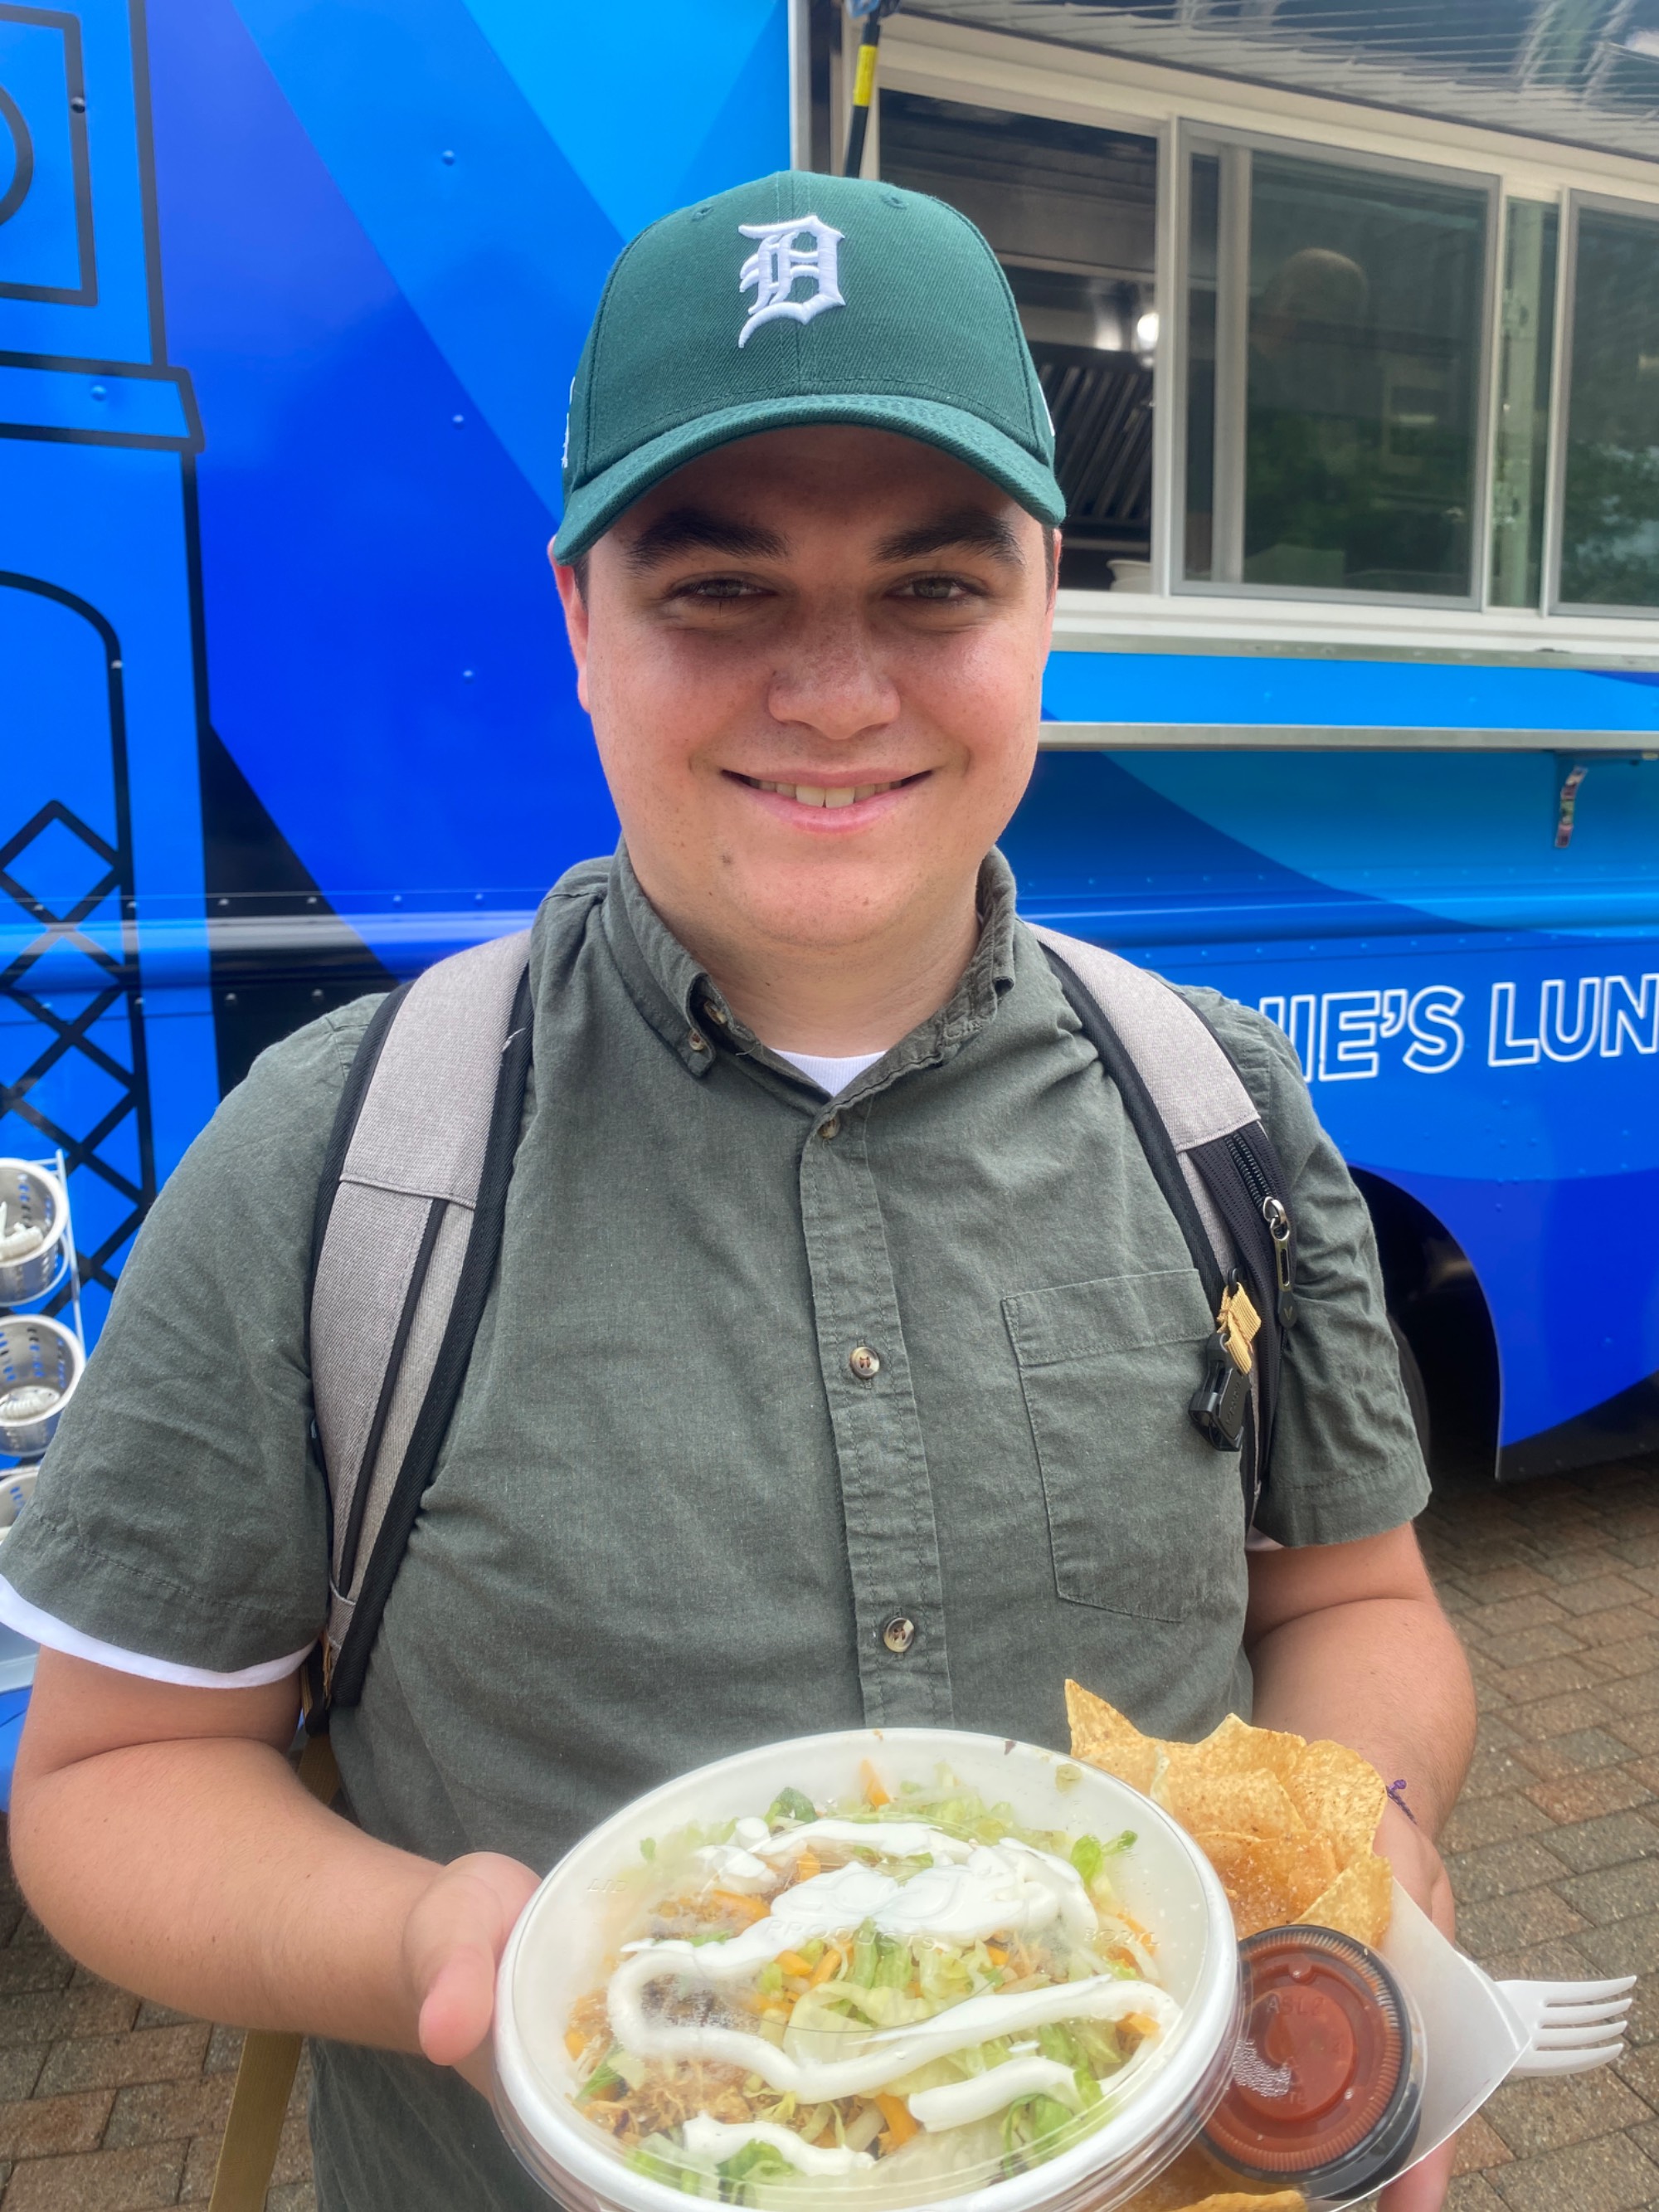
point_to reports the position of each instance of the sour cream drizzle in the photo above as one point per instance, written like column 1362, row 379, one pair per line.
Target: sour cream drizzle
column 968, row 1891
column 881, row 2058
column 719, row 2140
column 953, row 2104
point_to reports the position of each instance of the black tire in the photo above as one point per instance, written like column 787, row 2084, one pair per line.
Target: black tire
column 1417, row 1396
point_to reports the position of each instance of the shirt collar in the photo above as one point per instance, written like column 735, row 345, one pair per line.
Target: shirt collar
column 681, row 1001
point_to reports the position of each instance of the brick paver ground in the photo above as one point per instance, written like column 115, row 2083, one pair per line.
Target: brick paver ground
column 109, row 2106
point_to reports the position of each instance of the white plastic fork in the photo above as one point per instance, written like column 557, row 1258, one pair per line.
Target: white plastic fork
column 1570, row 2027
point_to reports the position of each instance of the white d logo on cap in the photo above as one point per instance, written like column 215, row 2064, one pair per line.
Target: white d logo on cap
column 778, row 260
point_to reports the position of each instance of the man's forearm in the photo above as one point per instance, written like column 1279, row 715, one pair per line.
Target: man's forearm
column 202, row 1874
column 1387, row 1676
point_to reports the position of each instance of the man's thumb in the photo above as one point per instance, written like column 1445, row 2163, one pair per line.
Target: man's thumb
column 455, row 2012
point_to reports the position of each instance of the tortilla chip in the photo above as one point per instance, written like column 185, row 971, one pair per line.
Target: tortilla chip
column 1195, row 2182
column 1233, row 2200
column 1236, row 1748
column 1282, row 1820
column 1255, row 1804
column 1358, row 1903
column 1341, row 1795
column 1269, row 1882
column 1104, row 1738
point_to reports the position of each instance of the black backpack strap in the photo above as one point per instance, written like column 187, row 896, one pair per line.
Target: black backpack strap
column 1217, row 1168
column 410, row 1217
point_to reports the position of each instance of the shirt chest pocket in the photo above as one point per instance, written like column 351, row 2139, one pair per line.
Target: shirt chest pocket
column 1143, row 1517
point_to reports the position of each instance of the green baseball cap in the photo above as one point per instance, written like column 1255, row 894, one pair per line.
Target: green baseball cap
column 802, row 298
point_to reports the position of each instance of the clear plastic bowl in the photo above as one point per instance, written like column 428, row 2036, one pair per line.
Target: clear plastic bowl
column 559, row 1949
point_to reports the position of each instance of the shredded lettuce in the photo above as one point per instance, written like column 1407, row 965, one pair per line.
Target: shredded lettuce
column 957, row 1811
column 604, row 2076
column 1032, row 2131
column 792, row 1804
column 755, row 2162
column 1089, row 1855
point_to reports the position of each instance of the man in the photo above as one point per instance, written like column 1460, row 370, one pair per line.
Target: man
column 838, row 1359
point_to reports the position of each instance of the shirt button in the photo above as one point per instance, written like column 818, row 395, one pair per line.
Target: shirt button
column 864, row 1363
column 697, row 1043
column 830, row 1127
column 899, row 1634
column 714, row 1013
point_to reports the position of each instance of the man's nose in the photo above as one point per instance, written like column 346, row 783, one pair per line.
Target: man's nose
column 830, row 678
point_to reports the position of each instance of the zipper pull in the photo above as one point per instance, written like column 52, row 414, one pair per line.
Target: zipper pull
column 1277, row 1216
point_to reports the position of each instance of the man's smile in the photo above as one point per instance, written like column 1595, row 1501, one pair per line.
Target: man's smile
column 829, row 795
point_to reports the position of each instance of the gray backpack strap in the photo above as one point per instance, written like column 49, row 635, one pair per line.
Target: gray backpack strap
column 1198, row 1093
column 409, row 1228
column 1215, row 1164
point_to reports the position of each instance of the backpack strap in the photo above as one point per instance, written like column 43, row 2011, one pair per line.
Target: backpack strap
column 1209, row 1154
column 409, row 1227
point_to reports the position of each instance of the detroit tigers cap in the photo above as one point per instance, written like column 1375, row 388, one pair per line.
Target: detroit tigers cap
column 802, row 298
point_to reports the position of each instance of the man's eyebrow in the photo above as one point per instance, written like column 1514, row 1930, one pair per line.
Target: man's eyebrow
column 693, row 529
column 970, row 528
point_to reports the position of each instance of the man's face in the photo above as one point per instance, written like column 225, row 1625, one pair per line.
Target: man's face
column 812, row 660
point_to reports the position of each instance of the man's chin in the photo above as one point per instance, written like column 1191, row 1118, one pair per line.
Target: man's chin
column 804, row 909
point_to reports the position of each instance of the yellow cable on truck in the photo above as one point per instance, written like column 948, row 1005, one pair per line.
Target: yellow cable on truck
column 872, row 14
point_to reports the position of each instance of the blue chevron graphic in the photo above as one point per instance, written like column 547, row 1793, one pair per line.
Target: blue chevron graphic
column 455, row 165
column 627, row 93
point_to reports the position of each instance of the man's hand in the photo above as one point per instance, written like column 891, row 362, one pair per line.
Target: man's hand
column 1421, row 1873
column 1419, row 1868
column 453, row 1943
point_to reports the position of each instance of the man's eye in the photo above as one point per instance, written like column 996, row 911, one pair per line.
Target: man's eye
column 940, row 590
column 719, row 589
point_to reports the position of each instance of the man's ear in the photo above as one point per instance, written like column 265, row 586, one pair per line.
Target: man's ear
column 575, row 602
column 1053, row 587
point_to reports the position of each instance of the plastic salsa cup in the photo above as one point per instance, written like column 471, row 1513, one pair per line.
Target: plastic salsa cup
column 565, row 1942
column 1327, row 2075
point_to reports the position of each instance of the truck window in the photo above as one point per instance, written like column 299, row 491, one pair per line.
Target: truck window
column 1070, row 210
column 1610, row 505
column 1335, row 328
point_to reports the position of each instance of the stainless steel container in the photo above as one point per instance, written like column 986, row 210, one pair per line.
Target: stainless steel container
column 34, row 1231
column 40, row 1363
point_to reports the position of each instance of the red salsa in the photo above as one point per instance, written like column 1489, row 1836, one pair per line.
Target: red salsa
column 1325, row 2090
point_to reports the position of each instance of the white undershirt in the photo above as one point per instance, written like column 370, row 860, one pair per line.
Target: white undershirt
column 56, row 1635
column 830, row 1074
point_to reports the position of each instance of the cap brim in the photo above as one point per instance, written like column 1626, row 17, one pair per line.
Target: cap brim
column 967, row 438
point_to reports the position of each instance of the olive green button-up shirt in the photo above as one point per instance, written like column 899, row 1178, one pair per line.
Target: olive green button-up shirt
column 786, row 1414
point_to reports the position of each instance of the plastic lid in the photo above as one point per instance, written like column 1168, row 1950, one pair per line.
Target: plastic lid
column 1326, row 2086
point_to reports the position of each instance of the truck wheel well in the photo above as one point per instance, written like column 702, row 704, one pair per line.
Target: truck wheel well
column 1438, row 1306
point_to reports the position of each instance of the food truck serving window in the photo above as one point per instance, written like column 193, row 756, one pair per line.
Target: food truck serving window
column 1335, row 368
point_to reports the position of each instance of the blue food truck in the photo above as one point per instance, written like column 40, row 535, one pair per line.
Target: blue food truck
column 1349, row 326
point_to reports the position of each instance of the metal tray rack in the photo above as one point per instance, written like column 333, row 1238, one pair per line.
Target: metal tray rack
column 42, row 1354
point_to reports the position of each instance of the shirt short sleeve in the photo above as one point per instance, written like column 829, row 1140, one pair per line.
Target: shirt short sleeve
column 181, row 1513
column 1345, row 1462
